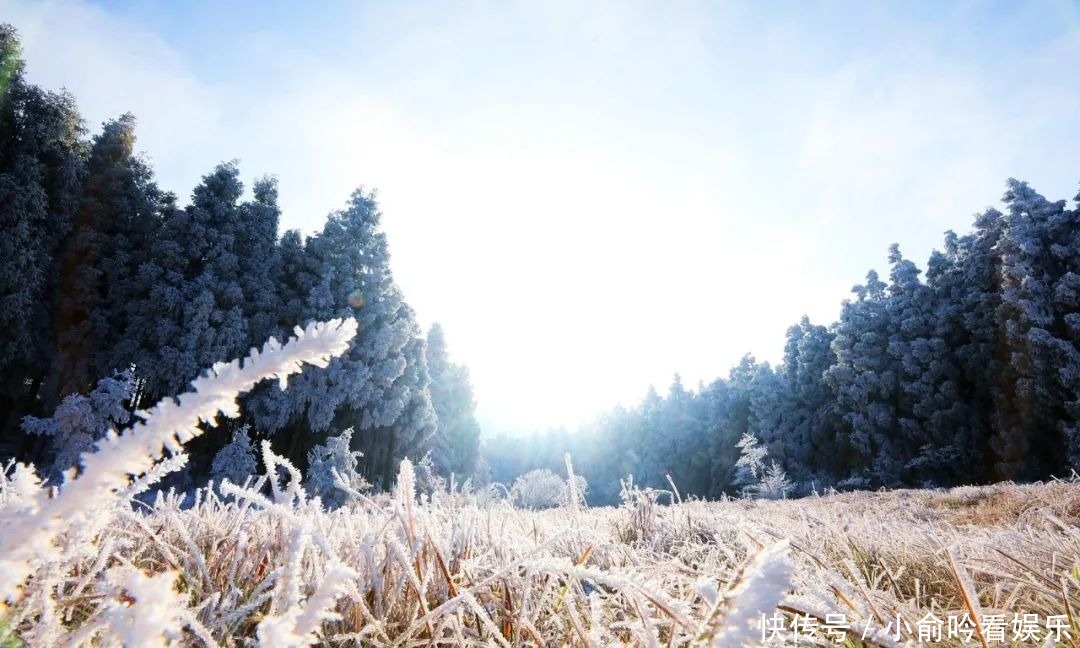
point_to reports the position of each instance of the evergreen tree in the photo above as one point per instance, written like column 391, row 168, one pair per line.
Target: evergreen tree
column 258, row 259
column 113, row 229
column 457, row 434
column 236, row 460
column 411, row 433
column 344, row 271
column 41, row 171
column 649, row 470
column 751, row 464
column 965, row 280
column 932, row 426
column 1034, row 417
column 215, row 327
column 866, row 384
column 730, row 419
column 190, row 313
column 295, row 280
column 816, row 449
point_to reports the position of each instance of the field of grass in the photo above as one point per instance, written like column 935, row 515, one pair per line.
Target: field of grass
column 400, row 571
column 264, row 564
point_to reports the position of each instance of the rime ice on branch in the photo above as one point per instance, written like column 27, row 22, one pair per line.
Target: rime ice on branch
column 31, row 532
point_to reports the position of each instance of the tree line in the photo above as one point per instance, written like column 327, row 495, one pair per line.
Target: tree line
column 968, row 373
column 112, row 293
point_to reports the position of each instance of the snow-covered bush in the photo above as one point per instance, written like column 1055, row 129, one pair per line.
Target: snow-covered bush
column 80, row 420
column 492, row 494
column 332, row 463
column 751, row 463
column 774, row 483
column 538, row 489
column 236, row 461
column 428, row 481
column 758, row 479
column 541, row 488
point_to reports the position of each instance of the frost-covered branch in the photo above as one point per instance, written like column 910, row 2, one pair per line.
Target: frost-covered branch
column 31, row 533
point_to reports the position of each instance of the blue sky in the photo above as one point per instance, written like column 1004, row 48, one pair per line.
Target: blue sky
column 592, row 196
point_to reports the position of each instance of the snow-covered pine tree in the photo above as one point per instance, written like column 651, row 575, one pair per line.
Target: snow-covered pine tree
column 965, row 280
column 770, row 403
column 866, row 383
column 258, row 260
column 214, row 317
column 113, row 228
column 190, row 310
column 297, row 285
column 236, row 461
column 345, row 271
column 934, row 435
column 729, row 414
column 41, row 171
column 774, row 483
column 457, row 434
column 751, row 464
column 679, row 449
column 757, row 477
column 811, row 427
column 1065, row 348
column 648, row 438
column 1036, row 407
column 412, row 432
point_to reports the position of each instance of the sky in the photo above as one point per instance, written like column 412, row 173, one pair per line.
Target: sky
column 590, row 197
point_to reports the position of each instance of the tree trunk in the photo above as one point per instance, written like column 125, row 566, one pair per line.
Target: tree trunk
column 388, row 464
column 29, row 448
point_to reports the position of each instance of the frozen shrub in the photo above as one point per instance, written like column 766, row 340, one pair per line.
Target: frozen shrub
column 541, row 488
column 79, row 421
column 428, row 481
column 538, row 489
column 331, row 462
column 492, row 494
column 751, row 463
column 758, row 479
column 774, row 483
column 642, row 508
column 236, row 461
column 580, row 490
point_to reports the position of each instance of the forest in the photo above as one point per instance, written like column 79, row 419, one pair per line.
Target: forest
column 115, row 294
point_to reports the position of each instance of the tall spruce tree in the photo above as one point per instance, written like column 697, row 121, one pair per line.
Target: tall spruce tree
column 813, row 424
column 457, row 434
column 866, row 385
column 1034, row 420
column 41, row 169
column 345, row 271
column 113, row 229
